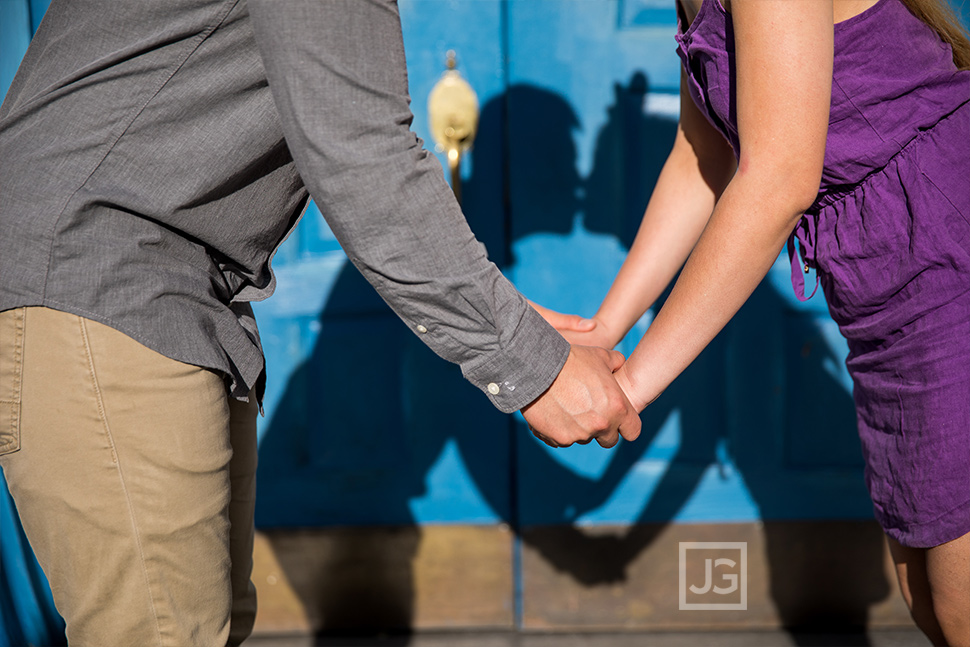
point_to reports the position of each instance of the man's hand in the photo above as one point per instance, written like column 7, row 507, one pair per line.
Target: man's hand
column 584, row 402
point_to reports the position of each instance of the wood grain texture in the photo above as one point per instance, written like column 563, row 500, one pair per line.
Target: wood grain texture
column 336, row 580
column 813, row 575
column 810, row 575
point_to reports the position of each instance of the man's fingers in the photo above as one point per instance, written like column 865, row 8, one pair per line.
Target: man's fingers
column 608, row 439
column 543, row 437
column 630, row 422
column 547, row 441
column 585, row 402
column 630, row 426
column 615, row 360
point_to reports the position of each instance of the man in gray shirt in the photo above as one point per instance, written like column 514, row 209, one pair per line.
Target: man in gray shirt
column 152, row 158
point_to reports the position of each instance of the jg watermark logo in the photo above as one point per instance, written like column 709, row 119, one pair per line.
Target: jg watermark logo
column 713, row 575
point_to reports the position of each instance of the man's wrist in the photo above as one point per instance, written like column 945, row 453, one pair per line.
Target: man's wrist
column 524, row 368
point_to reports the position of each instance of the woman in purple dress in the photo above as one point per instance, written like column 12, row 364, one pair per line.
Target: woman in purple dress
column 847, row 122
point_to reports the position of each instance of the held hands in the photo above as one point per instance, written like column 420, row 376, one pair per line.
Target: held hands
column 584, row 402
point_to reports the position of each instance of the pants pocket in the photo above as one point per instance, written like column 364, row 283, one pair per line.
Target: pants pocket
column 11, row 377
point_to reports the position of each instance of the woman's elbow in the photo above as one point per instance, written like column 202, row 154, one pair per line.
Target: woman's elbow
column 793, row 183
column 803, row 192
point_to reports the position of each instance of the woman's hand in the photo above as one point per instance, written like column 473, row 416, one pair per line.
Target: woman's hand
column 576, row 329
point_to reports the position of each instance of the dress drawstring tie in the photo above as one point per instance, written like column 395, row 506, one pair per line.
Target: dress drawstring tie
column 797, row 277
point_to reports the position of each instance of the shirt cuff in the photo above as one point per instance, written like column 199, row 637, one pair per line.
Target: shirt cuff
column 522, row 371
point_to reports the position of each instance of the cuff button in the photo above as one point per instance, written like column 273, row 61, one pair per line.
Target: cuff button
column 493, row 388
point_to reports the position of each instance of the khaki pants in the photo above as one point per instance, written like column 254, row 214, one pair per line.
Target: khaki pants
column 134, row 477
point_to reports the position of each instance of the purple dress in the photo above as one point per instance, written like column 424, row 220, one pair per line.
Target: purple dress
column 889, row 237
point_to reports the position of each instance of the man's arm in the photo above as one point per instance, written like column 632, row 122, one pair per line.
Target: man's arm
column 338, row 76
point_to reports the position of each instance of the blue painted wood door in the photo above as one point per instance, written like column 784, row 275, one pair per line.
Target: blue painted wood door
column 579, row 107
column 365, row 426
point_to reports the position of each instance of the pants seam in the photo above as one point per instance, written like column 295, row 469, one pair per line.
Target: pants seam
column 18, row 374
column 18, row 353
column 124, row 488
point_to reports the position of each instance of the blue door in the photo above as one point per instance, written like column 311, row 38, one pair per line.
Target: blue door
column 579, row 101
column 378, row 449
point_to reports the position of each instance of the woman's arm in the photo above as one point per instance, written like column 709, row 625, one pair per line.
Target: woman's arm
column 784, row 52
column 699, row 166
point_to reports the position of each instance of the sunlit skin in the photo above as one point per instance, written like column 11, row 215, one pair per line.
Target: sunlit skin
column 729, row 220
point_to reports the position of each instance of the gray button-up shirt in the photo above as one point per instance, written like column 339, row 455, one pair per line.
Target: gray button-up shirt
column 154, row 155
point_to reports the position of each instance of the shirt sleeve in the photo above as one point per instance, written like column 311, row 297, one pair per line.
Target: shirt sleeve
column 338, row 76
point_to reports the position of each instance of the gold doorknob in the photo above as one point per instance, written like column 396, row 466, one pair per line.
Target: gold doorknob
column 453, row 117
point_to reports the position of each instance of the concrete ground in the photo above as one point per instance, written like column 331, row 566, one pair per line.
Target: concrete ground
column 902, row 637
